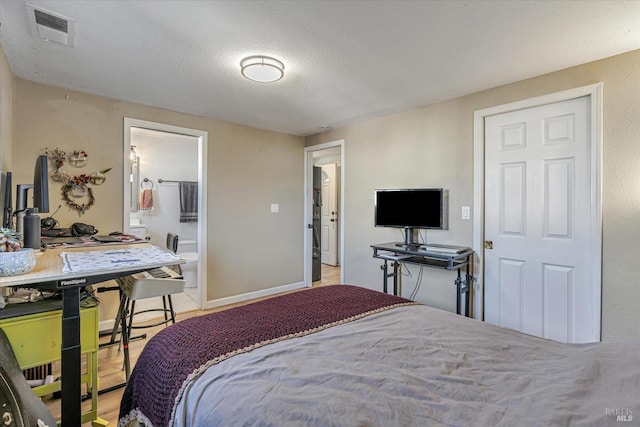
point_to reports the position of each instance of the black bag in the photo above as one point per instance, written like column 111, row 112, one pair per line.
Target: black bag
column 79, row 229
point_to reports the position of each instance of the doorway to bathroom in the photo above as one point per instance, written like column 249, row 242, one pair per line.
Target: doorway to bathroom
column 163, row 193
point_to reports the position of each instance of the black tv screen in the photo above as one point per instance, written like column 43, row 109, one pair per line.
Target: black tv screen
column 412, row 208
column 41, row 184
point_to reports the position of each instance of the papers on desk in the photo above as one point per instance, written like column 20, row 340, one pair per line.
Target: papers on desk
column 81, row 262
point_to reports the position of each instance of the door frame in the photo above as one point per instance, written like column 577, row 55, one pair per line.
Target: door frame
column 202, row 137
column 594, row 91
column 308, row 211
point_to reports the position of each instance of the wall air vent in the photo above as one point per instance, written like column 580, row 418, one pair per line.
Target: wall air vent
column 51, row 26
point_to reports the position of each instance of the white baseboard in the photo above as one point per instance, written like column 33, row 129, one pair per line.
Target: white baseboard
column 252, row 295
column 106, row 325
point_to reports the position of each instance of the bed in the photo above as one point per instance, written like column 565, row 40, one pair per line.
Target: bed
column 346, row 355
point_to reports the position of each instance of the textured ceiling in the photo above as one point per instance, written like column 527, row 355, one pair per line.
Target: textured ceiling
column 345, row 60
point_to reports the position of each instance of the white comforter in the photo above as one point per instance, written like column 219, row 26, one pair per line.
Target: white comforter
column 418, row 366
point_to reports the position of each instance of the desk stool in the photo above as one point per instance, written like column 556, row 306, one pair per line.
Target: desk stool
column 134, row 289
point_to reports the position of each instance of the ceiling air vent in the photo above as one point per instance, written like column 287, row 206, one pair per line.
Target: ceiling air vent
column 51, row 26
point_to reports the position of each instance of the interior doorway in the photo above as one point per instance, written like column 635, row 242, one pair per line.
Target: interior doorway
column 324, row 213
column 148, row 148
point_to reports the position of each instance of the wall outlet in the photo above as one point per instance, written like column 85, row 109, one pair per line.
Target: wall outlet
column 466, row 212
column 275, row 207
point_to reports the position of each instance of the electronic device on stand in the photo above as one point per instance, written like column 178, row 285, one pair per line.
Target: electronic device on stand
column 412, row 209
column 40, row 187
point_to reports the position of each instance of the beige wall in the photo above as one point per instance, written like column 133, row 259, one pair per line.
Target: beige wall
column 249, row 248
column 250, row 168
column 6, row 113
column 433, row 146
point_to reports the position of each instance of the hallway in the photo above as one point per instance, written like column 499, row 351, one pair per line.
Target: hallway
column 329, row 275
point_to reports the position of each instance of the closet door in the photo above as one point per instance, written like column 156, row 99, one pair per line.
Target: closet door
column 538, row 221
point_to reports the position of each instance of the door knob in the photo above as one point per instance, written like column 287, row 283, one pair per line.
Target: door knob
column 488, row 244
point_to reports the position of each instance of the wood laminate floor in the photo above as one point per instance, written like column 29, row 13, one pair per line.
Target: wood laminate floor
column 110, row 359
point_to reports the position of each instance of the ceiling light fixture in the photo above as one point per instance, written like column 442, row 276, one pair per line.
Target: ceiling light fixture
column 263, row 69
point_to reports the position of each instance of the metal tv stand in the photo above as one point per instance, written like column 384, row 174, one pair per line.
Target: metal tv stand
column 444, row 257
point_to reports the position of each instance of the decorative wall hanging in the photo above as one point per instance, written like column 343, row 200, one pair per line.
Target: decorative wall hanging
column 57, row 157
column 75, row 191
column 97, row 178
column 77, row 195
column 78, row 158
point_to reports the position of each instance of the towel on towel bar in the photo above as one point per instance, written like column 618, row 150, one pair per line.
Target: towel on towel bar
column 188, row 201
column 146, row 200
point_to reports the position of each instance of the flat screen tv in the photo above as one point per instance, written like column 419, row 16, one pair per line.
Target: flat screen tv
column 41, row 184
column 412, row 209
column 40, row 188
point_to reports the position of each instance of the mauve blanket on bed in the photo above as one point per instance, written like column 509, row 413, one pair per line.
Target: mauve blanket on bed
column 183, row 351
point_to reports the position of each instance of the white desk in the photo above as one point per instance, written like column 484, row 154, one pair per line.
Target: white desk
column 48, row 274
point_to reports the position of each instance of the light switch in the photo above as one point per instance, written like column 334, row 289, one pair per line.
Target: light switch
column 275, row 207
column 466, row 212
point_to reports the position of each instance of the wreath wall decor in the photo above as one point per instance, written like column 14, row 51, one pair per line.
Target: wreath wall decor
column 70, row 198
column 75, row 190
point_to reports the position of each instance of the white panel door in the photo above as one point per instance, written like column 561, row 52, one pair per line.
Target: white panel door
column 329, row 216
column 538, row 218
